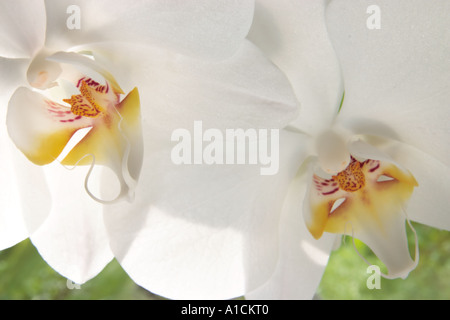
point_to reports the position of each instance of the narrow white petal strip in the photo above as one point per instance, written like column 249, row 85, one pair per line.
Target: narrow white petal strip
column 396, row 77
column 294, row 36
column 200, row 28
column 73, row 239
column 22, row 28
column 12, row 225
column 202, row 231
column 24, row 198
column 23, row 205
column 33, row 193
column 302, row 259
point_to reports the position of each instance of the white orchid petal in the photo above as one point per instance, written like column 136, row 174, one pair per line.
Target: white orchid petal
column 294, row 36
column 302, row 259
column 201, row 238
column 22, row 28
column 73, row 239
column 201, row 28
column 396, row 77
column 24, row 198
column 42, row 74
column 16, row 71
column 12, row 225
column 429, row 204
column 245, row 91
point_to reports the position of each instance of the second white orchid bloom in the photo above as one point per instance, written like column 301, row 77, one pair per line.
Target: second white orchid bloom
column 374, row 160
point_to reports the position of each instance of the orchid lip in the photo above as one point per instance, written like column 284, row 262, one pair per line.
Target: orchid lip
column 365, row 200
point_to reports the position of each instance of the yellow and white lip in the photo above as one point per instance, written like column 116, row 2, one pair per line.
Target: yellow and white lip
column 365, row 200
column 41, row 127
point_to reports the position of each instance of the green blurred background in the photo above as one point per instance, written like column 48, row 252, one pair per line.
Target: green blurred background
column 24, row 275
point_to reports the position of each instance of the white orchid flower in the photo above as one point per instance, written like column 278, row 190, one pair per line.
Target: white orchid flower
column 204, row 231
column 222, row 231
column 62, row 79
column 381, row 158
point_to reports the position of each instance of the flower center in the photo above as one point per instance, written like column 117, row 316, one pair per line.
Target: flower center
column 85, row 104
column 351, row 178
